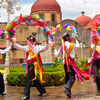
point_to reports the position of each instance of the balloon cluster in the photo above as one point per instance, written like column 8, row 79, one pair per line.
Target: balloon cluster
column 31, row 19
column 65, row 26
column 95, row 32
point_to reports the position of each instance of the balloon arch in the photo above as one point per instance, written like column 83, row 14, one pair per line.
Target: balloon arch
column 33, row 20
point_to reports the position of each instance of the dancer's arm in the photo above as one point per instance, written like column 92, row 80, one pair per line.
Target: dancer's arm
column 57, row 53
column 39, row 48
column 77, row 43
column 17, row 46
column 5, row 51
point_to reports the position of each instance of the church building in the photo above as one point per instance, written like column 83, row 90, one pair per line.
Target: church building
column 50, row 12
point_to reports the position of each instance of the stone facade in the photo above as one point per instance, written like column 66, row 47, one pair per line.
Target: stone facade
column 83, row 36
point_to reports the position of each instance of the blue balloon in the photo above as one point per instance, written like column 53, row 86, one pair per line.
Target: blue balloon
column 39, row 19
column 44, row 30
column 53, row 37
column 99, row 33
column 74, row 30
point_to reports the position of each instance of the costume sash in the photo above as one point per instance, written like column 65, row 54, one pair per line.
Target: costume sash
column 68, row 50
column 98, row 49
column 91, row 48
column 36, row 65
column 66, row 53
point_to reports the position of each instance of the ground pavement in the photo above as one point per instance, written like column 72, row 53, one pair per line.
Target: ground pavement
column 85, row 91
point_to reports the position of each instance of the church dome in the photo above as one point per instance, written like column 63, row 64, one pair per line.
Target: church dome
column 45, row 5
column 83, row 20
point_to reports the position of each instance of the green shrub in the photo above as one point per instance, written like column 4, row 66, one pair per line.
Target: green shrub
column 81, row 63
column 17, row 69
column 51, row 79
column 16, row 77
column 55, row 62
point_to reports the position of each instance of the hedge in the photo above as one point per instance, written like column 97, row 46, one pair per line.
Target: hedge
column 51, row 79
column 16, row 77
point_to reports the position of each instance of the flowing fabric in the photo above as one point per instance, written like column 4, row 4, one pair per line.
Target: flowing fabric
column 79, row 73
column 95, row 57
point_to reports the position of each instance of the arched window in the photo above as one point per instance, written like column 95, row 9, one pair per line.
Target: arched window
column 53, row 18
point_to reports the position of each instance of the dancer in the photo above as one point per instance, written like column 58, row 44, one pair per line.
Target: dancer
column 2, row 86
column 70, row 67
column 95, row 62
column 32, row 56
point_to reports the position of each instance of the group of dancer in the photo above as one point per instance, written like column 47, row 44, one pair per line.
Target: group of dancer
column 71, row 70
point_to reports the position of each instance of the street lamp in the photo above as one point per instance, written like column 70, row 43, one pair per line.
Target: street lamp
column 82, row 45
column 8, row 5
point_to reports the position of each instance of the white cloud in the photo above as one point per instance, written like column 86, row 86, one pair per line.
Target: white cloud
column 25, row 9
column 71, row 9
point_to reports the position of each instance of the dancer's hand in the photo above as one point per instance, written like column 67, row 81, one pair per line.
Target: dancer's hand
column 76, row 38
column 13, row 40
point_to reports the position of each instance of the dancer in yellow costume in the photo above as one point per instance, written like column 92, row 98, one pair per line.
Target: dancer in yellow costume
column 2, row 86
column 32, row 56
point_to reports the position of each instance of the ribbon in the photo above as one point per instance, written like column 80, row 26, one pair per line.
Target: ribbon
column 5, row 71
column 36, row 66
column 66, row 53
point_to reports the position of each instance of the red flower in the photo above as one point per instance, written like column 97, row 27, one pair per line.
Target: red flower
column 13, row 24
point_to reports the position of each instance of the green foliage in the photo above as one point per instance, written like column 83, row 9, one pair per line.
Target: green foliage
column 55, row 62
column 17, row 69
column 16, row 77
column 81, row 63
column 3, row 56
column 76, row 59
column 51, row 79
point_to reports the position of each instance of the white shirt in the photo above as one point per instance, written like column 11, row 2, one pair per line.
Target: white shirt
column 5, row 51
column 67, row 43
column 36, row 49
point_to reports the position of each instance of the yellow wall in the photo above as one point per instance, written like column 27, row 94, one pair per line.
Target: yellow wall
column 47, row 17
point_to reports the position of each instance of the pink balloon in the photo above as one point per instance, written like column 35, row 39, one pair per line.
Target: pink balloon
column 57, row 28
column 94, row 32
column 97, row 23
column 71, row 27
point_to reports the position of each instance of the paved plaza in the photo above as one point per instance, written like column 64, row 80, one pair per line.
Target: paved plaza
column 85, row 91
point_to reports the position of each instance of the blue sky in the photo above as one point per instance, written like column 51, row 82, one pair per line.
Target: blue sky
column 71, row 9
column 27, row 1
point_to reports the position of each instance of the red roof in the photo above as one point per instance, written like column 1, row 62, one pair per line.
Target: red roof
column 83, row 20
column 45, row 5
column 92, row 21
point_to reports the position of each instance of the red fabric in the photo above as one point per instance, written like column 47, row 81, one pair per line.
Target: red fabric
column 31, row 61
column 91, row 62
column 82, row 72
